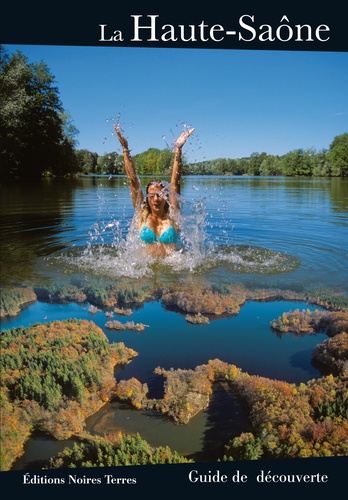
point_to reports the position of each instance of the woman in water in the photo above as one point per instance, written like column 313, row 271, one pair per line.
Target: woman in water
column 156, row 212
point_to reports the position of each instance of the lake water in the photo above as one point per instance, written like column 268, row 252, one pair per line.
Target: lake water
column 263, row 232
column 266, row 231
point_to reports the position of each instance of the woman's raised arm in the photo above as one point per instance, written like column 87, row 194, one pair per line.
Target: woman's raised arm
column 137, row 194
column 177, row 164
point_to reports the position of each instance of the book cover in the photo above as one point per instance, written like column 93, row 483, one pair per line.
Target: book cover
column 209, row 354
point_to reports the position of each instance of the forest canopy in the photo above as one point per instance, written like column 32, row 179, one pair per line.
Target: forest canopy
column 38, row 139
column 37, row 135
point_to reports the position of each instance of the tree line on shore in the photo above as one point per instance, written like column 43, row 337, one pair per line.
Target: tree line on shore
column 298, row 162
column 38, row 139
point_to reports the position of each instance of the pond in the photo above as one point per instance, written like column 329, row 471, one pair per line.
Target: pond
column 267, row 232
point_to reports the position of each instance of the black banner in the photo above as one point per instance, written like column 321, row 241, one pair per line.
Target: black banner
column 309, row 476
column 223, row 25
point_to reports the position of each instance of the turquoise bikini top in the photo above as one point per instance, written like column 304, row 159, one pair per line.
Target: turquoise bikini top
column 167, row 237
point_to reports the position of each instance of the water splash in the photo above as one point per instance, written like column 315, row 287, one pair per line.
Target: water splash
column 114, row 249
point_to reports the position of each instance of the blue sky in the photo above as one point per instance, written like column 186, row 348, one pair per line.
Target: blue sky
column 239, row 101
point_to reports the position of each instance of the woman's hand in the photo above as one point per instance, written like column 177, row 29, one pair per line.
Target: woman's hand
column 183, row 138
column 121, row 137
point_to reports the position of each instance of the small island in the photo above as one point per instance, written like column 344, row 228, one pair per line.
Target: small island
column 197, row 319
column 129, row 325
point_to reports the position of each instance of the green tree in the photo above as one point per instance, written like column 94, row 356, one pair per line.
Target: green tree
column 321, row 166
column 220, row 166
column 338, row 155
column 270, row 165
column 234, row 168
column 297, row 162
column 111, row 164
column 154, row 162
column 87, row 161
column 255, row 162
column 36, row 135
